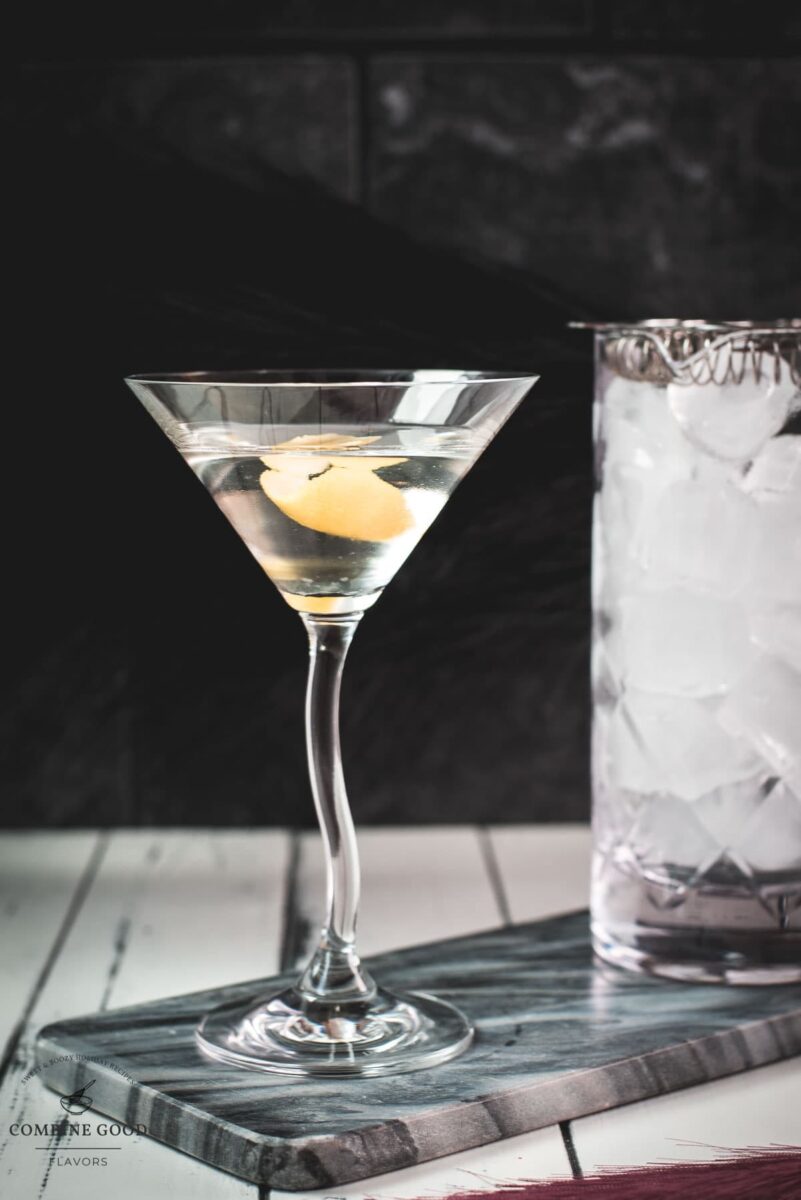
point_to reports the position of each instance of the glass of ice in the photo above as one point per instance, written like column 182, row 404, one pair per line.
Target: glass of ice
column 697, row 650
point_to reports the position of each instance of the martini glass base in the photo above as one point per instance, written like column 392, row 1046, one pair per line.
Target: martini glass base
column 291, row 1035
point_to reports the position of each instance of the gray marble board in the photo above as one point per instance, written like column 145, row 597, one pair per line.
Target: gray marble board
column 559, row 1036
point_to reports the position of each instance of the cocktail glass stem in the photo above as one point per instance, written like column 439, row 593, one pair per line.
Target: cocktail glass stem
column 335, row 974
column 335, row 1020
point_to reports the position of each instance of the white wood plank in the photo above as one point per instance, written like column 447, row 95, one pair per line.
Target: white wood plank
column 419, row 885
column 758, row 1108
column 545, row 869
column 211, row 913
column 39, row 874
column 168, row 912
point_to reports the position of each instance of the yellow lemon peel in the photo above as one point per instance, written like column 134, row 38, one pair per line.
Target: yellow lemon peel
column 325, row 441
column 341, row 495
column 364, row 462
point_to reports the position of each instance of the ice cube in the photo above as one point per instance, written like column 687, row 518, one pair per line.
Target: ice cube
column 725, row 810
column 633, row 482
column 674, row 745
column 605, row 683
column 616, row 521
column 637, row 429
column 683, row 644
column 609, row 814
column 776, row 564
column 776, row 629
column 700, row 535
column 771, row 840
column 733, row 420
column 607, row 624
column 765, row 708
column 666, row 835
column 777, row 467
column 600, row 568
column 643, row 454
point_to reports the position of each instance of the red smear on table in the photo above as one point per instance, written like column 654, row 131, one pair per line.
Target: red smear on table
column 773, row 1174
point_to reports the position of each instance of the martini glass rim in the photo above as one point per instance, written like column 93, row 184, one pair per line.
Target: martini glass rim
column 335, row 378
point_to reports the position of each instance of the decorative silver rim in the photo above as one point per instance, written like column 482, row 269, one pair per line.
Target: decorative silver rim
column 700, row 352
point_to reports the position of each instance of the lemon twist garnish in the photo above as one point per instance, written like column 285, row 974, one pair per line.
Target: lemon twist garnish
column 338, row 494
column 325, row 441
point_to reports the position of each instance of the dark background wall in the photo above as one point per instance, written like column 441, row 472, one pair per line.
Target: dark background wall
column 360, row 183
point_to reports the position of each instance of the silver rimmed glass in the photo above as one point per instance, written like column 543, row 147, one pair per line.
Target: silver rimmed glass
column 331, row 479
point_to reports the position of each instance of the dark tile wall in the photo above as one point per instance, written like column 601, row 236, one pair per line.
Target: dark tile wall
column 233, row 116
column 712, row 26
column 415, row 19
column 66, row 746
column 645, row 186
column 367, row 182
column 735, row 24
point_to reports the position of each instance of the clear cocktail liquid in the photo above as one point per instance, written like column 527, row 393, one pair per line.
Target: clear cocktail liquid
column 697, row 672
column 330, row 516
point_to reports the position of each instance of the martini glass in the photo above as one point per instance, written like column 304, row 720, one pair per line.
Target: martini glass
column 331, row 479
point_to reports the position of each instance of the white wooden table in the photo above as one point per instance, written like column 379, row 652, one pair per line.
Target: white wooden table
column 95, row 920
